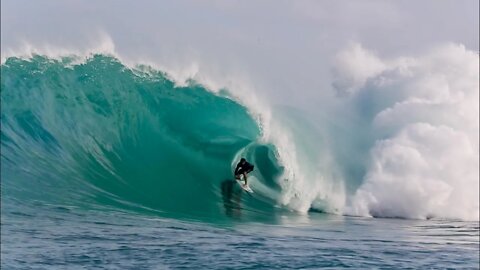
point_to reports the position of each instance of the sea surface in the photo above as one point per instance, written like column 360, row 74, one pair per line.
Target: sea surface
column 42, row 236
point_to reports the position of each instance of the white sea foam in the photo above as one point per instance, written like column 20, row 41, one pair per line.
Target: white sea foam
column 101, row 43
column 425, row 159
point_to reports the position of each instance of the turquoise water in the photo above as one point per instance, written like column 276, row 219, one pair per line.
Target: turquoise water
column 108, row 166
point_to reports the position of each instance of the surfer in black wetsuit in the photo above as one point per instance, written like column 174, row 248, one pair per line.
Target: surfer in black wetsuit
column 243, row 167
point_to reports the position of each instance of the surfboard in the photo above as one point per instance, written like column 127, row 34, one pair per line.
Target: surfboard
column 244, row 187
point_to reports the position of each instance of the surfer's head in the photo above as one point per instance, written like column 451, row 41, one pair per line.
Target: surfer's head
column 242, row 160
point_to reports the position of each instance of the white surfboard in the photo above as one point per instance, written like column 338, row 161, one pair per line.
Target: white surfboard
column 247, row 188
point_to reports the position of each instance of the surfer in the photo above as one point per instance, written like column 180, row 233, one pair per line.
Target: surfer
column 243, row 167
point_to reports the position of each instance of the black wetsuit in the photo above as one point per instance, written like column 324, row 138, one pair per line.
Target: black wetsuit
column 243, row 168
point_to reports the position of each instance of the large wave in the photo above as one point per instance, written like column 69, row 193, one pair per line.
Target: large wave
column 100, row 132
column 400, row 140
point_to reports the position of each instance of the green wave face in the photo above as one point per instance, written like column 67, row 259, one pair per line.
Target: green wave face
column 101, row 134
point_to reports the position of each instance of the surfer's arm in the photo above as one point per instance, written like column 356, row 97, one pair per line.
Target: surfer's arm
column 237, row 170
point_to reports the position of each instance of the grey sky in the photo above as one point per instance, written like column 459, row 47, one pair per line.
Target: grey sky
column 282, row 46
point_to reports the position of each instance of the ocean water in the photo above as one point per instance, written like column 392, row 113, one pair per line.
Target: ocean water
column 108, row 166
column 44, row 236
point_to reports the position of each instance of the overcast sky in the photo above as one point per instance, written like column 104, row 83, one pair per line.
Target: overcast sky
column 281, row 46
